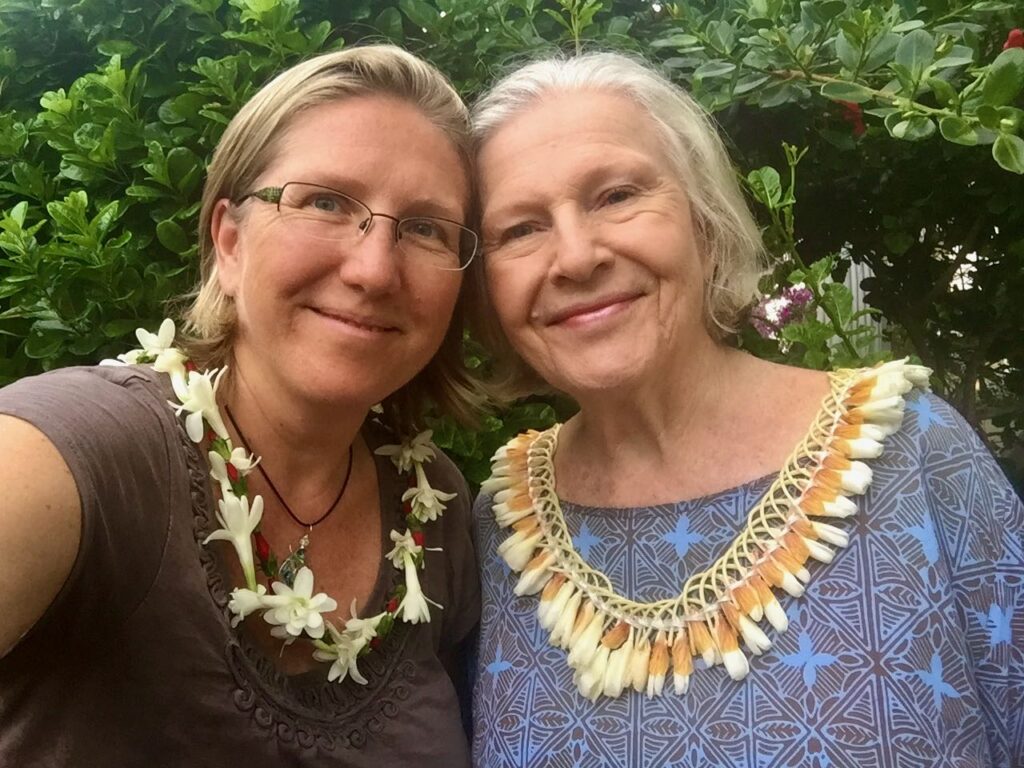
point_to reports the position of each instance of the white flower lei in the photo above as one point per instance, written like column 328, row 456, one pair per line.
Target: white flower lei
column 293, row 609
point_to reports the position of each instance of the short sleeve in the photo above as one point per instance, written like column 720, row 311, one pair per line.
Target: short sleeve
column 114, row 432
column 979, row 526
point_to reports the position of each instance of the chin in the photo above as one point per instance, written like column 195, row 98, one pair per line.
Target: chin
column 344, row 386
column 585, row 381
column 599, row 368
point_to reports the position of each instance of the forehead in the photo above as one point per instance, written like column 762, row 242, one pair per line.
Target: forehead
column 371, row 143
column 565, row 133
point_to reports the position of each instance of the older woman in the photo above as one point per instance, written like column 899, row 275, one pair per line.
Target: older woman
column 212, row 554
column 642, row 562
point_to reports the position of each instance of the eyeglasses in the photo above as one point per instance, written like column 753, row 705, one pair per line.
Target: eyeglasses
column 323, row 213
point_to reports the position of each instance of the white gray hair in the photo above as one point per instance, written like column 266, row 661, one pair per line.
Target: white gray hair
column 728, row 235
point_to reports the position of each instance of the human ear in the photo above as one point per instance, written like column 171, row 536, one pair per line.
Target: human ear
column 224, row 232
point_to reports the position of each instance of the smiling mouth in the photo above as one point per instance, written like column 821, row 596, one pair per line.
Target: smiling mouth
column 594, row 309
column 369, row 325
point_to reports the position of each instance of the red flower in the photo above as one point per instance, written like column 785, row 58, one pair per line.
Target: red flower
column 418, row 537
column 1014, row 40
column 407, row 507
column 392, row 605
column 190, row 366
column 262, row 546
column 375, row 643
column 232, row 472
column 854, row 115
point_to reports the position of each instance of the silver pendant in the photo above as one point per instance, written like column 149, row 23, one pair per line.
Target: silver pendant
column 291, row 565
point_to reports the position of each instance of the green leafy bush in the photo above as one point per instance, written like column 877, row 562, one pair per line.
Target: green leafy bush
column 907, row 118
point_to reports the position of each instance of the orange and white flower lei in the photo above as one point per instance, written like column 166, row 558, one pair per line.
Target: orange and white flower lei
column 614, row 643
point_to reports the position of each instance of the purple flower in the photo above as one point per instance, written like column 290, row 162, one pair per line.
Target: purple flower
column 773, row 313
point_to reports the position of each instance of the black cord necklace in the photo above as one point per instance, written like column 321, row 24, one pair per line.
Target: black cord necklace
column 277, row 493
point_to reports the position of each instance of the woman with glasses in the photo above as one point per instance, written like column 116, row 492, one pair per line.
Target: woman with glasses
column 718, row 561
column 234, row 545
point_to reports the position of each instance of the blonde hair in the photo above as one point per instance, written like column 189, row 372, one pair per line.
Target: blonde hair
column 249, row 145
column 728, row 235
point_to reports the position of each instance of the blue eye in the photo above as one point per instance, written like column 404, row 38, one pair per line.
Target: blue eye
column 517, row 231
column 326, row 203
column 618, row 195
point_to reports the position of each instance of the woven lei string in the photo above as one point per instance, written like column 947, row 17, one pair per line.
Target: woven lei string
column 291, row 606
column 614, row 643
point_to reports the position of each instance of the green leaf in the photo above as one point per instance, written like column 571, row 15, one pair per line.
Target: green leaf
column 721, row 36
column 898, row 242
column 116, row 329
column 714, row 68
column 389, row 22
column 183, row 167
column 916, row 51
column 847, row 53
column 958, row 131
column 676, row 41
column 880, row 51
column 1008, row 151
column 944, row 92
column 991, row 6
column 43, row 346
column 988, row 116
column 829, row 9
column 958, row 56
column 18, row 213
column 766, row 185
column 117, row 48
column 749, row 83
column 143, row 192
column 420, row 13
column 1005, row 78
column 620, row 26
column 914, row 128
column 908, row 26
column 854, row 92
column 837, row 298
column 172, row 237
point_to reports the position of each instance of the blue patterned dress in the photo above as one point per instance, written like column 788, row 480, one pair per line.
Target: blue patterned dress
column 907, row 650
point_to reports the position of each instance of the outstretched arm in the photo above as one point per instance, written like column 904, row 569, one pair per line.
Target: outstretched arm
column 40, row 527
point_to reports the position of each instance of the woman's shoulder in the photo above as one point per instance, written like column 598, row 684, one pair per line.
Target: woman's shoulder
column 91, row 402
column 94, row 382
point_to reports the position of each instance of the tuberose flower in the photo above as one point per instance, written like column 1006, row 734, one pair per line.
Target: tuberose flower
column 413, row 608
column 241, row 462
column 415, row 451
column 238, row 521
column 346, row 646
column 245, row 601
column 295, row 609
column 405, row 544
column 427, row 503
column 344, row 652
column 200, row 400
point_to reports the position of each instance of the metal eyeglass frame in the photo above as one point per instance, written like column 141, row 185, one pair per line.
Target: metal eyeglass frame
column 276, row 194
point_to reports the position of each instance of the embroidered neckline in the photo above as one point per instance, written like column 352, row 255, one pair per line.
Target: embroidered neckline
column 294, row 610
column 615, row 643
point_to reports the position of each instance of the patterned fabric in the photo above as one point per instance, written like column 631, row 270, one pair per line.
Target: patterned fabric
column 907, row 650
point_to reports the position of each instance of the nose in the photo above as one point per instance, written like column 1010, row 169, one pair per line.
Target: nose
column 371, row 262
column 577, row 252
